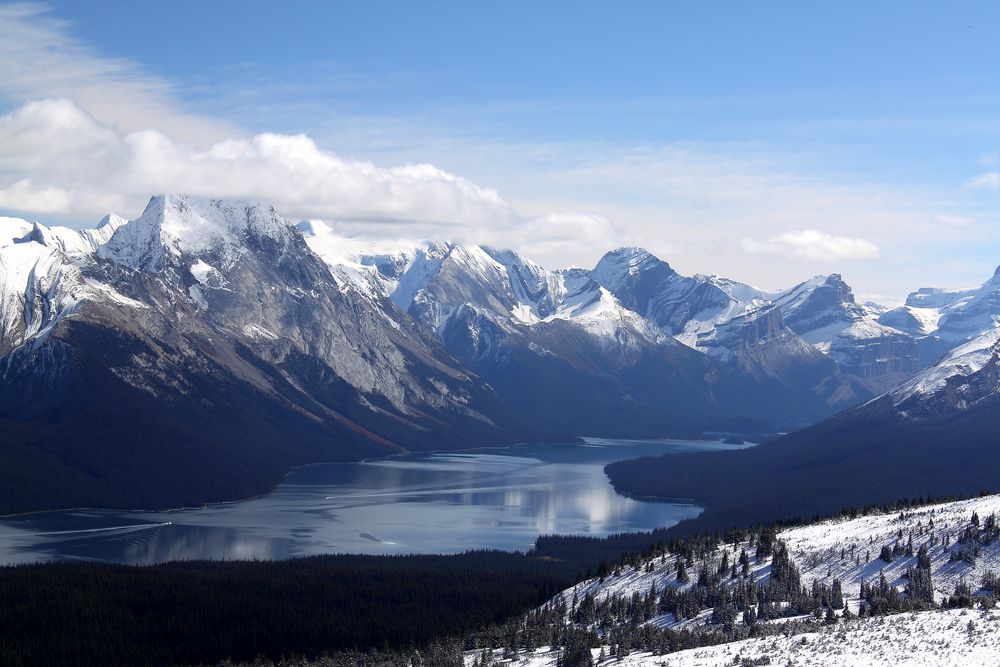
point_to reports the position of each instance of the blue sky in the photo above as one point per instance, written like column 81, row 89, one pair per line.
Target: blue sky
column 765, row 141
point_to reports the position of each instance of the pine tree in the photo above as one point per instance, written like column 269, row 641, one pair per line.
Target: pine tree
column 744, row 563
column 837, row 595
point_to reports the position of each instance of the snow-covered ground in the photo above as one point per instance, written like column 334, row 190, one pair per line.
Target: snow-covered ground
column 828, row 550
column 844, row 549
column 921, row 639
column 817, row 548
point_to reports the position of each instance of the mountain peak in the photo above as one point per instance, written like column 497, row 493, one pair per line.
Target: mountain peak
column 111, row 220
column 172, row 225
column 623, row 264
column 632, row 254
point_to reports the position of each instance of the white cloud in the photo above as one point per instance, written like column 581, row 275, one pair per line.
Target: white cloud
column 551, row 234
column 58, row 159
column 813, row 245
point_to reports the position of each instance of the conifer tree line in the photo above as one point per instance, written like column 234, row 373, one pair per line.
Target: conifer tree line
column 732, row 583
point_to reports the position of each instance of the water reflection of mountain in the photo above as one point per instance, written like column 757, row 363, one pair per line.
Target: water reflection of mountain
column 443, row 503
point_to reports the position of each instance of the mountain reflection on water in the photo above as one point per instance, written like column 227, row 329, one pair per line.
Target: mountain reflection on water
column 427, row 503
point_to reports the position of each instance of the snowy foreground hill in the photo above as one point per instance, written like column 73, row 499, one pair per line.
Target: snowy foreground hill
column 916, row 639
column 909, row 587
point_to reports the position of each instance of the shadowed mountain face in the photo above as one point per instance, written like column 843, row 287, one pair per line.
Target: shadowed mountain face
column 652, row 344
column 630, row 338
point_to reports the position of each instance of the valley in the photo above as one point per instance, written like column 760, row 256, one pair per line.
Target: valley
column 242, row 345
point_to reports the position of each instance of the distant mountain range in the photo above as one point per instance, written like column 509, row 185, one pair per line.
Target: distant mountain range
column 934, row 435
column 199, row 351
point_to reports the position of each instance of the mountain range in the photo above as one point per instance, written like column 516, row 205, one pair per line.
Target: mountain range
column 199, row 351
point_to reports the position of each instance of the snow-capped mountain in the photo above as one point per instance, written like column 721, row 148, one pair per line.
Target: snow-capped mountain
column 964, row 325
column 229, row 345
column 823, row 312
column 12, row 229
column 729, row 321
column 506, row 317
column 552, row 343
column 199, row 313
column 770, row 330
column 943, row 319
column 717, row 316
column 968, row 375
column 936, row 433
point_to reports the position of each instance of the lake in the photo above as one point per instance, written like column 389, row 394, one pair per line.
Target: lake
column 445, row 502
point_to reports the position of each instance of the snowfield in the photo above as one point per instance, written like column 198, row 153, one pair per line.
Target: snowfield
column 923, row 639
column 817, row 548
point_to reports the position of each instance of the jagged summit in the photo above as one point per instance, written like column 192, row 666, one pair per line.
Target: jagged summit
column 173, row 225
column 72, row 241
column 624, row 264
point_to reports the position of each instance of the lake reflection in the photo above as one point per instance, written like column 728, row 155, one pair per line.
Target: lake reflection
column 431, row 503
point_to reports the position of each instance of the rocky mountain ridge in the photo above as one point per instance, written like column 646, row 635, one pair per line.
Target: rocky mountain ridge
column 221, row 322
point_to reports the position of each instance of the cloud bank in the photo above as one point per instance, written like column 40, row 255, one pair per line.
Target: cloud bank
column 59, row 160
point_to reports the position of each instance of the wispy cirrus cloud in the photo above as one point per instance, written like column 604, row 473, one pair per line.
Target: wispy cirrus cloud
column 40, row 58
column 990, row 180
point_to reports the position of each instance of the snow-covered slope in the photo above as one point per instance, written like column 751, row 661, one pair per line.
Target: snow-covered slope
column 12, row 229
column 40, row 283
column 823, row 312
column 951, row 316
column 967, row 375
column 848, row 550
column 373, row 267
column 823, row 566
column 914, row 639
column 74, row 241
